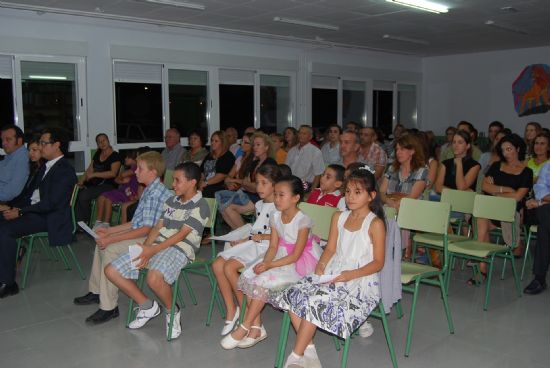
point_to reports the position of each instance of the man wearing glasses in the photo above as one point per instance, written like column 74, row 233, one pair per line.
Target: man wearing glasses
column 14, row 169
column 49, row 210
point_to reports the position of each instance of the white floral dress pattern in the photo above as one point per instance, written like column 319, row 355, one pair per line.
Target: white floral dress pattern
column 342, row 307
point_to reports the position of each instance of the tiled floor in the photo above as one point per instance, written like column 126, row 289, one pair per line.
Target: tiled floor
column 41, row 327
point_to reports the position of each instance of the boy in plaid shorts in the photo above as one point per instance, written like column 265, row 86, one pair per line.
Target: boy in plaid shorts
column 171, row 244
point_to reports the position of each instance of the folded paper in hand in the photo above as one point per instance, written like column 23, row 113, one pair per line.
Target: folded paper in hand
column 134, row 250
column 323, row 279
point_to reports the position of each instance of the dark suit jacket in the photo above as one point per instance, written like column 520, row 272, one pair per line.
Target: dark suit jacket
column 55, row 196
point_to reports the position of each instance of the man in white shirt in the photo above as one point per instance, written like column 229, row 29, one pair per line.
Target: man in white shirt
column 305, row 160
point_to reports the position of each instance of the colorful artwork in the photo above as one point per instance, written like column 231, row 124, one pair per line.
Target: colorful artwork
column 530, row 90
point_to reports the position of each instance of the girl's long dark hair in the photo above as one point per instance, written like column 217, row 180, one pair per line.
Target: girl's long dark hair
column 296, row 185
column 366, row 179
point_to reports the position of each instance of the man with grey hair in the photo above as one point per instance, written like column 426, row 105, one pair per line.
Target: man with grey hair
column 174, row 150
column 350, row 146
column 232, row 137
column 305, row 160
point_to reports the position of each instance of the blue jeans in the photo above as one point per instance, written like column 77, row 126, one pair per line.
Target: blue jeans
column 228, row 197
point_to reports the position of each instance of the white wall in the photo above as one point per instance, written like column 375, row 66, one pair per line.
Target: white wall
column 477, row 88
column 99, row 41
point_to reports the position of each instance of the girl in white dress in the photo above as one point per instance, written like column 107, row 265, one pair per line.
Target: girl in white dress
column 247, row 251
column 291, row 255
column 352, row 258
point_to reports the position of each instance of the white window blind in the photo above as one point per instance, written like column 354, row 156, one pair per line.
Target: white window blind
column 128, row 72
column 5, row 67
column 236, row 77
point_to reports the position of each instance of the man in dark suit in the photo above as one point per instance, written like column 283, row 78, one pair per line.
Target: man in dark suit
column 49, row 210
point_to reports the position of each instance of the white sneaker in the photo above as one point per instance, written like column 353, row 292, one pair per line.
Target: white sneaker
column 366, row 330
column 144, row 315
column 311, row 358
column 295, row 361
column 176, row 327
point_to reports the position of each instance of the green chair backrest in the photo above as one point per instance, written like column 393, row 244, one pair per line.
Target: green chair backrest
column 321, row 216
column 495, row 208
column 427, row 216
column 168, row 178
column 460, row 200
column 391, row 213
column 213, row 205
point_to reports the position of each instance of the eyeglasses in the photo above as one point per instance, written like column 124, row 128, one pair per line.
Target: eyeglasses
column 45, row 143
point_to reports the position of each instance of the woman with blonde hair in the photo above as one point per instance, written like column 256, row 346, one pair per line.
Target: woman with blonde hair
column 242, row 193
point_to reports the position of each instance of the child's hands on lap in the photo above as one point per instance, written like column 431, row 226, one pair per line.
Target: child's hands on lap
column 145, row 255
column 343, row 277
column 262, row 267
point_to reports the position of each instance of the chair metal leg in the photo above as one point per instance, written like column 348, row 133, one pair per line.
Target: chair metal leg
column 446, row 303
column 76, row 263
column 344, row 361
column 527, row 254
column 515, row 274
column 64, row 258
column 27, row 263
column 212, row 301
column 488, row 282
column 399, row 309
column 337, row 344
column 189, row 288
column 391, row 348
column 283, row 338
column 411, row 318
column 212, row 280
column 243, row 309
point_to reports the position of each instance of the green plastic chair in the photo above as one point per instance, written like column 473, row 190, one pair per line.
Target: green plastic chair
column 428, row 217
column 378, row 313
column 492, row 208
column 390, row 212
column 168, row 178
column 460, row 201
column 43, row 237
column 532, row 235
column 321, row 216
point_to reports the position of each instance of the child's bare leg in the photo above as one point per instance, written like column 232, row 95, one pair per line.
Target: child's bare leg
column 305, row 336
column 218, row 266
column 127, row 286
column 228, row 220
column 297, row 323
column 253, row 310
column 100, row 202
column 155, row 281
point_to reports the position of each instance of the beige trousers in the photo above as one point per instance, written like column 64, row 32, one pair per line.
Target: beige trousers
column 99, row 284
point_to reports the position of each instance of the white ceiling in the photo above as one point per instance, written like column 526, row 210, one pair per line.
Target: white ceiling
column 362, row 23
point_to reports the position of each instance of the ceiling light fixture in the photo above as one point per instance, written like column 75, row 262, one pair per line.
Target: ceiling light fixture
column 422, row 5
column 492, row 23
column 180, row 4
column 405, row 39
column 306, row 23
column 49, row 77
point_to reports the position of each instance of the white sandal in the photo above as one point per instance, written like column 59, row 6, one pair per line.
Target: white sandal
column 249, row 342
column 228, row 342
column 230, row 324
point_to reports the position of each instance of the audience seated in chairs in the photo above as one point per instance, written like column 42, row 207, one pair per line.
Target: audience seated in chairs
column 49, row 210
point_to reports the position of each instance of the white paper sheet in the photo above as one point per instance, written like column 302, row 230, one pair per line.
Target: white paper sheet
column 134, row 250
column 87, row 229
column 241, row 233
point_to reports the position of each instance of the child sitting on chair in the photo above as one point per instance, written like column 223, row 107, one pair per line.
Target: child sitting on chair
column 127, row 191
column 352, row 258
column 247, row 251
column 292, row 254
column 170, row 245
column 328, row 193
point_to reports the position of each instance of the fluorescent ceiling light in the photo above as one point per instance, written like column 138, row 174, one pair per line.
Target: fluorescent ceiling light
column 180, row 4
column 50, row 77
column 422, row 5
column 306, row 23
column 492, row 23
column 405, row 39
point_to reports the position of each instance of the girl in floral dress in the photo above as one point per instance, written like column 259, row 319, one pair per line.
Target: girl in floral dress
column 352, row 258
